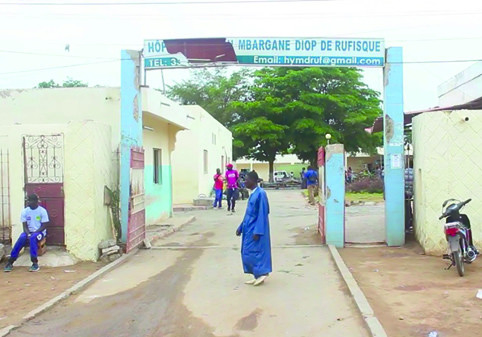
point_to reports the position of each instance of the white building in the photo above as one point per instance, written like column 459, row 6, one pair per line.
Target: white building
column 202, row 149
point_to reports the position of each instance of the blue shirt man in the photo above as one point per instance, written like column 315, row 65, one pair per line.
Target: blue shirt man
column 311, row 177
column 256, row 241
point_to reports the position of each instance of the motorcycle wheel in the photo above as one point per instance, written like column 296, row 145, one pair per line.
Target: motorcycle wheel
column 459, row 263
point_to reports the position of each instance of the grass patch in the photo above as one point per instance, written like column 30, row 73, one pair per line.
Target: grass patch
column 364, row 196
column 352, row 196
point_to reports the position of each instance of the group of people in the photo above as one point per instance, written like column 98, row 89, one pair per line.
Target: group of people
column 232, row 187
column 254, row 229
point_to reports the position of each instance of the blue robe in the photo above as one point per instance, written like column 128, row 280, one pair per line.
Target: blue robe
column 256, row 255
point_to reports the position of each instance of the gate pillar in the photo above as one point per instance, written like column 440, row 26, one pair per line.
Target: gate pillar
column 393, row 149
column 335, row 195
column 131, row 127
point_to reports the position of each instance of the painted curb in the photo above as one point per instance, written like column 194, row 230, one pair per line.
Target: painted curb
column 374, row 326
column 76, row 287
column 171, row 230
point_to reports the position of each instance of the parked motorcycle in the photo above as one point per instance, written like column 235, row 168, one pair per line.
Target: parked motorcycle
column 458, row 234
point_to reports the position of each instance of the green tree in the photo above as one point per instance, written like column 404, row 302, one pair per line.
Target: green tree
column 258, row 134
column 214, row 91
column 312, row 102
column 69, row 83
column 49, row 84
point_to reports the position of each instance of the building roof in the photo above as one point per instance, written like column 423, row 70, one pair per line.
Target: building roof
column 475, row 104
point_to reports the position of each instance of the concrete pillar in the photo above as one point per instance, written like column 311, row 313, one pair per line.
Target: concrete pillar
column 131, row 126
column 335, row 195
column 393, row 147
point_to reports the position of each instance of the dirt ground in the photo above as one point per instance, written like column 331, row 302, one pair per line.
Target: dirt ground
column 412, row 294
column 22, row 291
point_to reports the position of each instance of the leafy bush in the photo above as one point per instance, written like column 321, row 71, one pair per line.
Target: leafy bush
column 366, row 184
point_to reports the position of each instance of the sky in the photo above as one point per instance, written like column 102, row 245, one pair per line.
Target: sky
column 439, row 38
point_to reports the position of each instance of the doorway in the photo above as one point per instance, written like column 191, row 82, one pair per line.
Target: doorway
column 44, row 176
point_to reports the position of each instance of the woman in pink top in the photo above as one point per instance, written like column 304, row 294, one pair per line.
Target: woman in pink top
column 218, row 187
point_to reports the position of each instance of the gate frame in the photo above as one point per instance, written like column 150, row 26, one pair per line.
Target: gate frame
column 393, row 130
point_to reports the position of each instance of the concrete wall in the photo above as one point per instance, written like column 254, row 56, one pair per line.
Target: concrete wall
column 62, row 105
column 447, row 164
column 87, row 220
column 188, row 174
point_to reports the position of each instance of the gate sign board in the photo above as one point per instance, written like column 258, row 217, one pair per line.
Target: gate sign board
column 320, row 52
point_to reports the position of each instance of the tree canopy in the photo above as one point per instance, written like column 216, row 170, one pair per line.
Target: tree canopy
column 215, row 91
column 287, row 110
column 69, row 83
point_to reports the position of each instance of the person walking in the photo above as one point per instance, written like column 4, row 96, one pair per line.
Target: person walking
column 232, row 191
column 256, row 241
column 303, row 179
column 218, row 189
column 312, row 183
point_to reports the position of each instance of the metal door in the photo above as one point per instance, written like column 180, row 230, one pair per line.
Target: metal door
column 44, row 176
column 136, row 226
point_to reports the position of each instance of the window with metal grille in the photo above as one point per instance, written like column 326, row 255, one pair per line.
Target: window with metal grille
column 157, row 166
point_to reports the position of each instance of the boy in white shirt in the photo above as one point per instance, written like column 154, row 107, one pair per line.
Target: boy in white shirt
column 35, row 220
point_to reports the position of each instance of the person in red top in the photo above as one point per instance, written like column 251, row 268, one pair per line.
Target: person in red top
column 218, row 187
column 232, row 192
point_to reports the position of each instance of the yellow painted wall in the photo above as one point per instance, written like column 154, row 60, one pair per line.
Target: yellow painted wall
column 188, row 175
column 261, row 168
column 62, row 105
column 447, row 164
column 87, row 219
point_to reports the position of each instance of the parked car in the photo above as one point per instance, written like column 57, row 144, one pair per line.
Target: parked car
column 280, row 176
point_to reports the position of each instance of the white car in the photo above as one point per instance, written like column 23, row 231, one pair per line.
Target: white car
column 279, row 176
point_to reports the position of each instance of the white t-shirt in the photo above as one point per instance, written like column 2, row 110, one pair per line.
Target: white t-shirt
column 34, row 218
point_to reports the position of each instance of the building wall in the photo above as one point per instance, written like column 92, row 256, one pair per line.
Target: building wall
column 158, row 196
column 62, row 105
column 87, row 219
column 447, row 164
column 190, row 179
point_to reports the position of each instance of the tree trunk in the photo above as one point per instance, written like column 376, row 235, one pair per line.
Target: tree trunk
column 271, row 171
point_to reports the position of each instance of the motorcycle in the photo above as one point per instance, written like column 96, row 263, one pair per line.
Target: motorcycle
column 458, row 234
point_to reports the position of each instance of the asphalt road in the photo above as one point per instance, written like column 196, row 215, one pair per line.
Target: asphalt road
column 191, row 284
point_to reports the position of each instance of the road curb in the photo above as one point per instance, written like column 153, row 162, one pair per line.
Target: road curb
column 372, row 322
column 67, row 293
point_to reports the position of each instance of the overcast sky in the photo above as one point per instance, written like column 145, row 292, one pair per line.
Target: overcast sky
column 34, row 37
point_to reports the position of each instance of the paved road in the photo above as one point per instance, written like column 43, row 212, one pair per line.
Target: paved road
column 365, row 224
column 191, row 285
